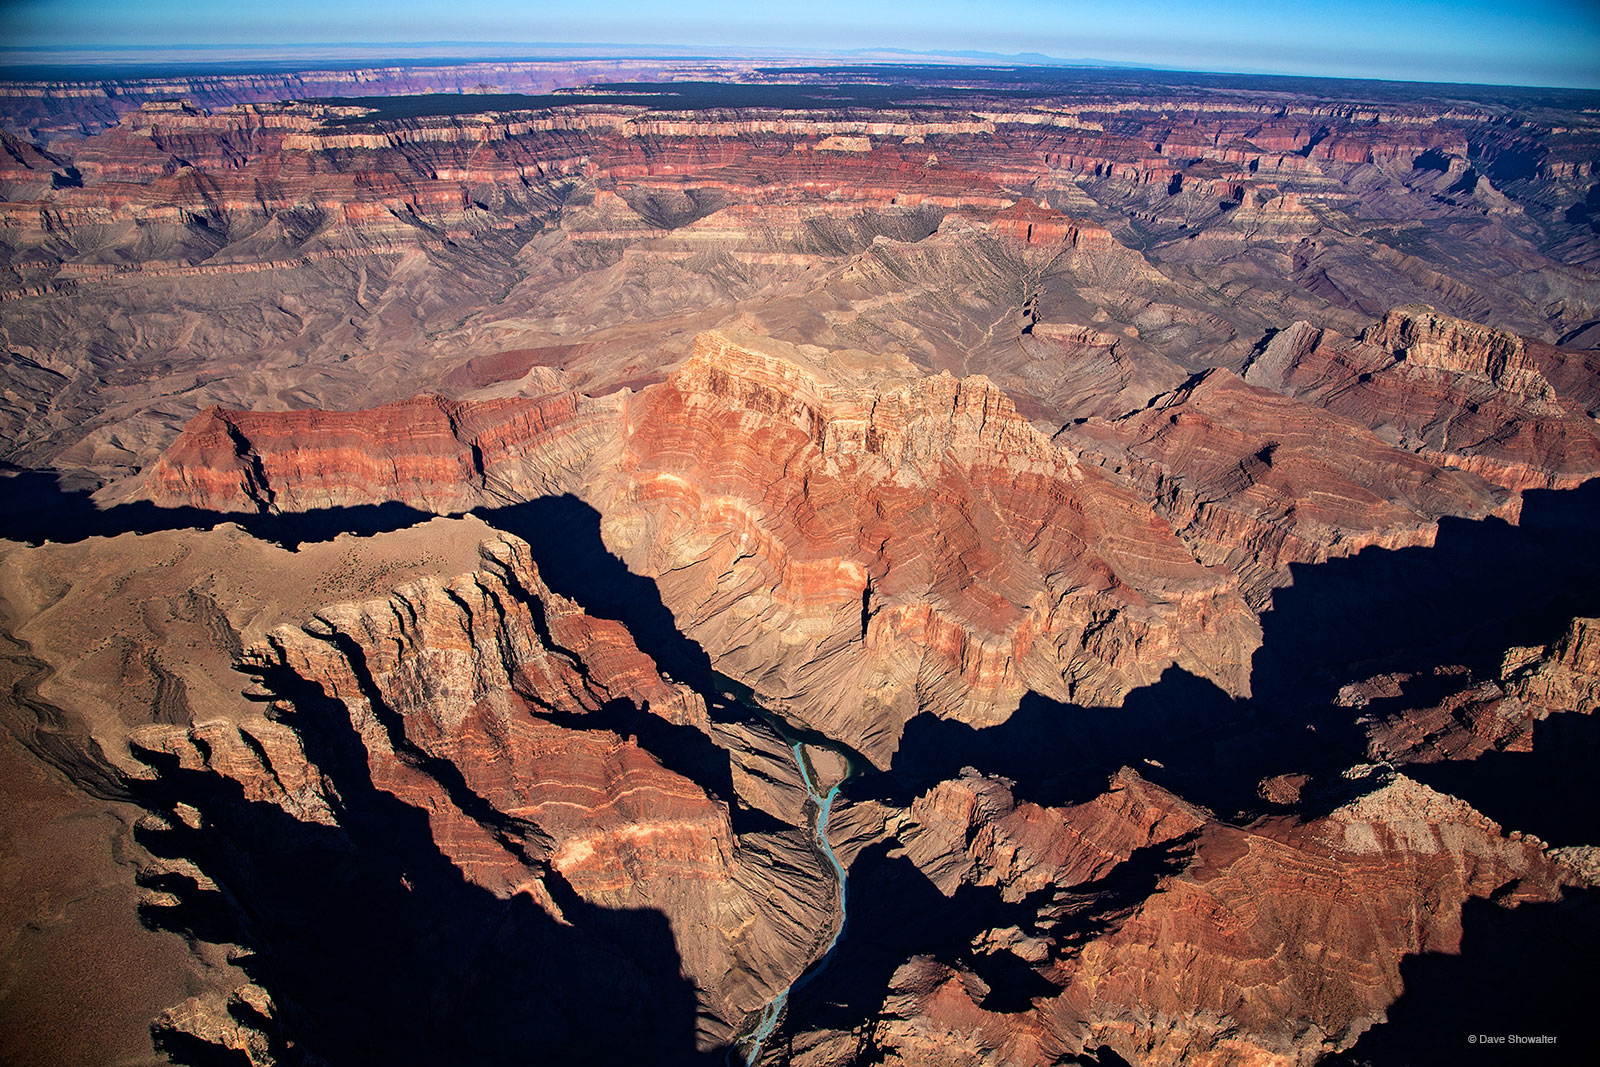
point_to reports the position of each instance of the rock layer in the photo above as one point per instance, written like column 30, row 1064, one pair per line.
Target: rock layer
column 1275, row 944
column 927, row 540
column 1464, row 394
column 526, row 789
column 429, row 453
column 866, row 554
column 968, row 417
column 1233, row 468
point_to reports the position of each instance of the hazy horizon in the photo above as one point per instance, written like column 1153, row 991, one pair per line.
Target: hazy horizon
column 1554, row 43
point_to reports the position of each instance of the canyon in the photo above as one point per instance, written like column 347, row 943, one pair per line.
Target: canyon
column 707, row 562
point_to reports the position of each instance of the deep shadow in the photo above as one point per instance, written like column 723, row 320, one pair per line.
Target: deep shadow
column 1433, row 159
column 1483, row 587
column 1549, row 792
column 564, row 535
column 34, row 508
column 1013, row 982
column 896, row 913
column 193, row 1052
column 1060, row 754
column 1586, row 212
column 380, row 951
column 1081, row 914
column 1102, row 1057
column 377, row 950
column 1519, row 972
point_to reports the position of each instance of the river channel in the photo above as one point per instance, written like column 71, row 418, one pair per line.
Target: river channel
column 748, row 1045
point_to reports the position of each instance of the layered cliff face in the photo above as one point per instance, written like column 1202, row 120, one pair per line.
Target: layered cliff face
column 1474, row 716
column 429, row 453
column 1470, row 396
column 867, row 554
column 223, row 247
column 54, row 107
column 553, row 773
column 1229, row 465
column 862, row 554
column 1274, row 944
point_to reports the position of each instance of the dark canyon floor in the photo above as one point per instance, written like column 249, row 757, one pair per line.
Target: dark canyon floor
column 466, row 530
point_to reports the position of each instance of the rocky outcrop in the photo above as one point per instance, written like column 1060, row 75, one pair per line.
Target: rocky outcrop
column 429, row 453
column 1029, row 224
column 973, row 831
column 1254, row 481
column 490, row 704
column 1281, row 921
column 910, row 396
column 1475, row 717
column 1333, row 907
column 1427, row 340
column 1463, row 394
column 926, row 538
column 864, row 555
column 1565, row 676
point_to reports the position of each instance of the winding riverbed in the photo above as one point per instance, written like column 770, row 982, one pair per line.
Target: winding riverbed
column 822, row 806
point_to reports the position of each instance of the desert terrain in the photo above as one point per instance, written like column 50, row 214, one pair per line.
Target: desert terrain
column 709, row 562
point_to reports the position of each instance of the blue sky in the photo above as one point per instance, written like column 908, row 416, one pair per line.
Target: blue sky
column 1525, row 42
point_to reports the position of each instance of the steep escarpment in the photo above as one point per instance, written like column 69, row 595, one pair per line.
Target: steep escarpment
column 1464, row 394
column 1243, row 930
column 927, row 538
column 948, row 566
column 1474, row 716
column 1255, row 481
column 509, row 722
column 867, row 554
column 224, row 251
column 52, row 107
column 429, row 453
